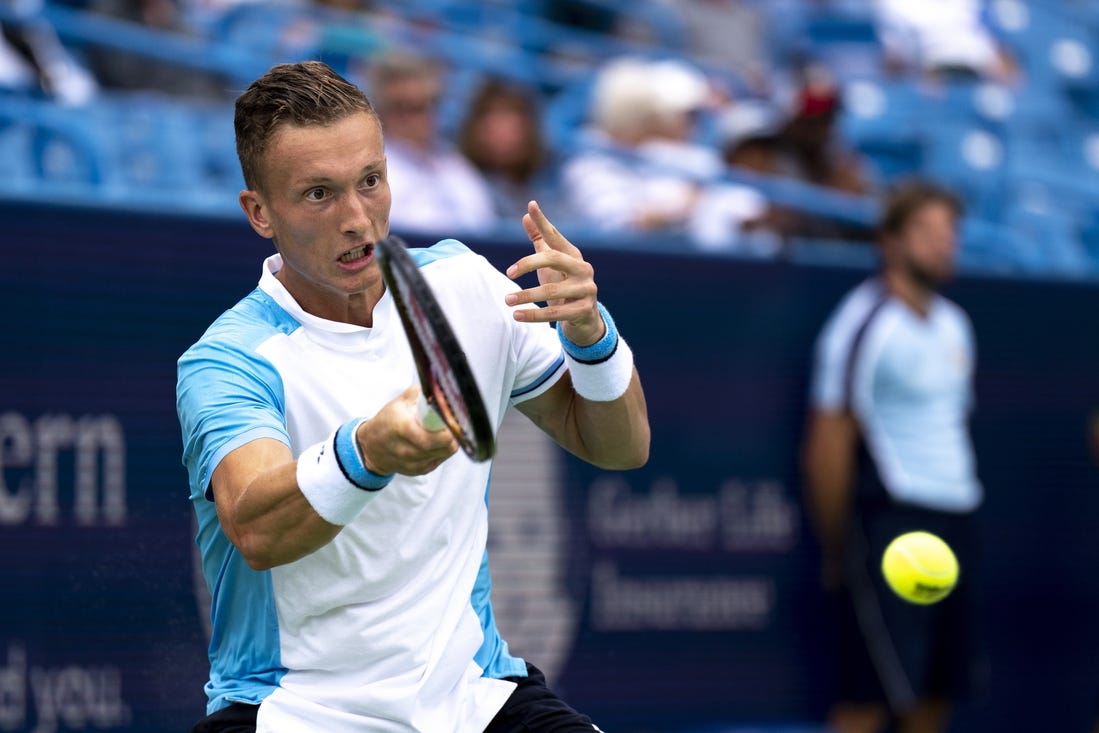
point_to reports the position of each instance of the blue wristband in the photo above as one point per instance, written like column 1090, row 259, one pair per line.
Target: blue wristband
column 598, row 352
column 351, row 462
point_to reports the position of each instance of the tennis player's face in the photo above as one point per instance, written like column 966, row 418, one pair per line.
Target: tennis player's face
column 929, row 244
column 325, row 202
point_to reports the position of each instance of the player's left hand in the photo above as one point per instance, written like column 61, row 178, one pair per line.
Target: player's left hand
column 566, row 282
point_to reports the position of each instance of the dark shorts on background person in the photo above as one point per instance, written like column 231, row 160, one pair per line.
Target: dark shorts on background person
column 531, row 708
column 893, row 651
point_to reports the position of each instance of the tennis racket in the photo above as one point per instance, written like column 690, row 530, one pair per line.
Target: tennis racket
column 451, row 398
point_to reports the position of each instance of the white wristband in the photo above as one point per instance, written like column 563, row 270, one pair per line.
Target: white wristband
column 606, row 380
column 327, row 486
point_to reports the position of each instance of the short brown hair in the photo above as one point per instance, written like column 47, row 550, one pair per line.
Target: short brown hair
column 492, row 95
column 908, row 197
column 305, row 93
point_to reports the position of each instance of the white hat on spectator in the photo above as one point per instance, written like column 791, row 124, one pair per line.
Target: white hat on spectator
column 748, row 120
column 622, row 100
column 678, row 86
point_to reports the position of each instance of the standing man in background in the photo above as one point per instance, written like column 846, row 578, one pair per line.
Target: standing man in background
column 888, row 451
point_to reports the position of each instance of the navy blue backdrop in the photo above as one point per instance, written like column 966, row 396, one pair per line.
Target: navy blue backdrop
column 693, row 579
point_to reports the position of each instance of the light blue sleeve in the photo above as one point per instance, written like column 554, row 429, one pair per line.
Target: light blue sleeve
column 226, row 396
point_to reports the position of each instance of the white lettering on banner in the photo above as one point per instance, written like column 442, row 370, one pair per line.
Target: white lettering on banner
column 757, row 517
column 662, row 519
column 72, row 697
column 30, row 469
column 678, row 603
column 742, row 516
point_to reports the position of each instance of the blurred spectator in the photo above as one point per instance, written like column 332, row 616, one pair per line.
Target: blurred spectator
column 748, row 132
column 342, row 32
column 731, row 35
column 502, row 136
column 812, row 150
column 749, row 136
column 944, row 39
column 435, row 188
column 802, row 145
column 640, row 168
column 118, row 68
column 809, row 149
column 33, row 59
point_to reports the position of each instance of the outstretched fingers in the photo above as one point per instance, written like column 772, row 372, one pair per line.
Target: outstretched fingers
column 543, row 233
column 566, row 282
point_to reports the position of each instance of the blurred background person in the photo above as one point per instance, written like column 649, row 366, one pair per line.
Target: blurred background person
column 502, row 136
column 609, row 182
column 640, row 166
column 748, row 139
column 887, row 451
column 942, row 40
column 435, row 187
column 122, row 70
column 34, row 60
column 809, row 148
column 733, row 35
column 748, row 135
column 756, row 137
column 812, row 149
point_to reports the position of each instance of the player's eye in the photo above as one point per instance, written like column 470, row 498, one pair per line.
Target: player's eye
column 315, row 194
column 372, row 180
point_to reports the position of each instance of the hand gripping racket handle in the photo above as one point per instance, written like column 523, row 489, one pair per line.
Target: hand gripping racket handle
column 429, row 418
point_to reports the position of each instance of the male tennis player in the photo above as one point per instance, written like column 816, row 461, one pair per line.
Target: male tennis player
column 888, row 451
column 344, row 544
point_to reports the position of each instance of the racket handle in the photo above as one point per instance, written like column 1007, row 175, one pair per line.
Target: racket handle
column 429, row 418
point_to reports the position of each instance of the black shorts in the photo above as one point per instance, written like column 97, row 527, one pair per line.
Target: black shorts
column 897, row 652
column 532, row 708
column 237, row 718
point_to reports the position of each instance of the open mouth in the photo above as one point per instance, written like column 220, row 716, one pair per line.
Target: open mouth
column 358, row 253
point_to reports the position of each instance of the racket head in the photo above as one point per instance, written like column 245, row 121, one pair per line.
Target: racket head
column 445, row 376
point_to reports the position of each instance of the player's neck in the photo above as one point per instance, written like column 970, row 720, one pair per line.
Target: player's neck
column 909, row 291
column 360, row 310
column 356, row 309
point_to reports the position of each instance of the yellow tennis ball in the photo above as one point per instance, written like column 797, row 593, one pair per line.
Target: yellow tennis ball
column 920, row 567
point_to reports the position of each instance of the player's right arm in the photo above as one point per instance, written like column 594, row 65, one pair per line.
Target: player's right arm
column 828, row 466
column 262, row 509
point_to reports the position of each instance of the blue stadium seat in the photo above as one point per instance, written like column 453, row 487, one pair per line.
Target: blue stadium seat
column 885, row 122
column 971, row 160
column 46, row 147
column 1050, row 241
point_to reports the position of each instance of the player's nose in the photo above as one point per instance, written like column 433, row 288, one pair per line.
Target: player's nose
column 355, row 216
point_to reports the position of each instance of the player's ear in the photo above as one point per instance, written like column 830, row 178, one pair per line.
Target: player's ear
column 256, row 211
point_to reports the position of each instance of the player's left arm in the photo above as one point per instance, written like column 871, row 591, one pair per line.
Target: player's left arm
column 610, row 426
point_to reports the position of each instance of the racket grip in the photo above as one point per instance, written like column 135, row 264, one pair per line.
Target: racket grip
column 429, row 418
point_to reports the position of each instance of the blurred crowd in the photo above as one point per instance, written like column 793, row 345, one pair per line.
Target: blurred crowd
column 688, row 143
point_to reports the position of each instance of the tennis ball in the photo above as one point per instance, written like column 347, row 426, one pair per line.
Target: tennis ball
column 920, row 567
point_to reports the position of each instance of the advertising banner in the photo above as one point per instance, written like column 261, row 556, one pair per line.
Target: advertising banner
column 674, row 598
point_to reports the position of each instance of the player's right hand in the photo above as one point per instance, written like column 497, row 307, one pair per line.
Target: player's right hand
column 394, row 440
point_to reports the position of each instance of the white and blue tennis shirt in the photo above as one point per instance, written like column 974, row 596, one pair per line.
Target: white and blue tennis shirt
column 907, row 379
column 388, row 627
